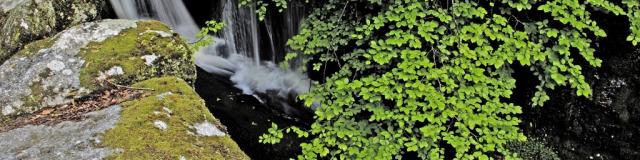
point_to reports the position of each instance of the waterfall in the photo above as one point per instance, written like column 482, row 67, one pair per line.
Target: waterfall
column 172, row 12
column 236, row 53
column 254, row 33
column 270, row 35
column 282, row 26
column 239, row 29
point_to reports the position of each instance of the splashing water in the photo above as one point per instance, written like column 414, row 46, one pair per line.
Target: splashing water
column 240, row 40
column 251, row 77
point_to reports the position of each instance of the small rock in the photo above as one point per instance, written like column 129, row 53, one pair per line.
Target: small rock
column 149, row 59
column 162, row 95
column 115, row 70
column 24, row 24
column 167, row 110
column 160, row 125
column 207, row 129
column 6, row 110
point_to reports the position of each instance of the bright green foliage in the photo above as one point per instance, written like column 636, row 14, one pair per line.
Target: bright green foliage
column 633, row 7
column 274, row 135
column 424, row 76
column 203, row 36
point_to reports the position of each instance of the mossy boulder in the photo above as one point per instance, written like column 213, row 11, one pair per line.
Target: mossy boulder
column 23, row 21
column 87, row 58
column 168, row 120
column 171, row 123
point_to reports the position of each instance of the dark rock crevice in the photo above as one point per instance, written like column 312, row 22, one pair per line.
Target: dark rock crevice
column 247, row 118
column 606, row 125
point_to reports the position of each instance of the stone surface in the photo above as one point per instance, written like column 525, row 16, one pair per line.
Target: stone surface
column 207, row 129
column 170, row 126
column 6, row 5
column 24, row 21
column 85, row 58
column 66, row 140
column 146, row 127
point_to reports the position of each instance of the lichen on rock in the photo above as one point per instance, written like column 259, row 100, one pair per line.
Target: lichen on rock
column 36, row 75
column 533, row 149
column 6, row 5
column 165, row 119
column 151, row 135
column 66, row 140
column 24, row 21
column 80, row 60
column 140, row 54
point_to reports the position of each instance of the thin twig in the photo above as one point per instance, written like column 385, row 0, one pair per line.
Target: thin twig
column 201, row 38
column 128, row 87
column 340, row 20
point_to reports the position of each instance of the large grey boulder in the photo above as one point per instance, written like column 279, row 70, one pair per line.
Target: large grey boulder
column 86, row 58
column 24, row 21
column 92, row 92
column 160, row 118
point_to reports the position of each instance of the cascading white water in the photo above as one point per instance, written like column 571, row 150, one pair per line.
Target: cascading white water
column 241, row 27
column 270, row 34
column 172, row 12
column 280, row 26
column 240, row 37
column 254, row 33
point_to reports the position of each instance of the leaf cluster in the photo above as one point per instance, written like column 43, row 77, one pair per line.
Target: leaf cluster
column 204, row 39
column 427, row 76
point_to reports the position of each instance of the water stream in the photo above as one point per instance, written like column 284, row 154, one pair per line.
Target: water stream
column 238, row 76
column 236, row 51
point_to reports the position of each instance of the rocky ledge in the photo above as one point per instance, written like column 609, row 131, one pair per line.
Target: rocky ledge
column 111, row 89
column 86, row 58
column 160, row 118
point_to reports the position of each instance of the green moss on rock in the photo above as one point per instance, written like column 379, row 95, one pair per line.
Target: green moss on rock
column 175, row 104
column 38, row 92
column 34, row 47
column 74, row 63
column 127, row 49
column 533, row 149
column 34, row 20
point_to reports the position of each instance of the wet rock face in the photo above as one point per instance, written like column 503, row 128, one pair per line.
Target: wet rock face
column 247, row 118
column 607, row 126
column 87, row 57
column 24, row 21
